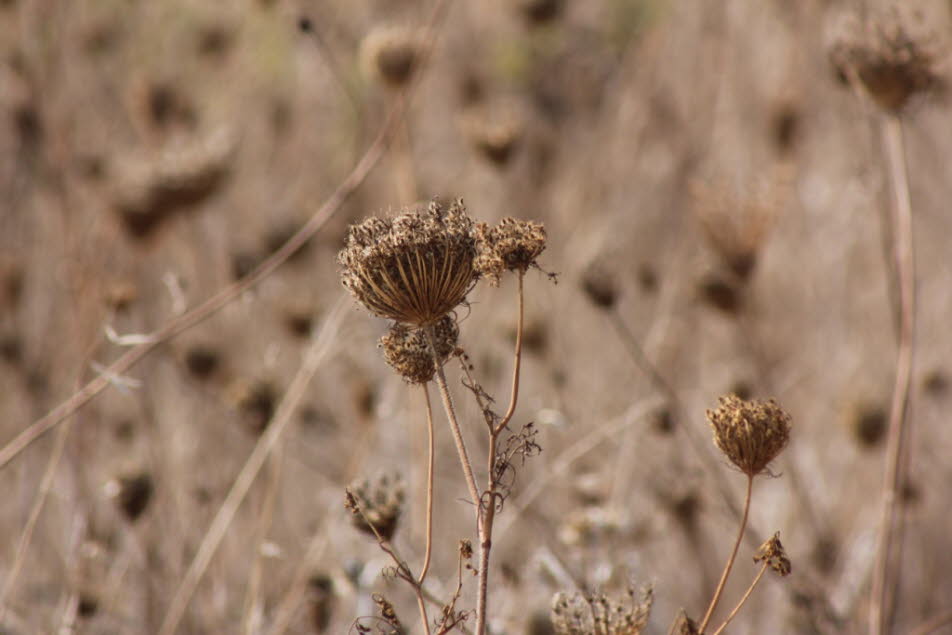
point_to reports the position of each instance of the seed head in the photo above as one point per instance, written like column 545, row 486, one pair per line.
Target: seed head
column 376, row 505
column 891, row 62
column 772, row 552
column 750, row 433
column 414, row 268
column 512, row 245
column 407, row 351
column 391, row 53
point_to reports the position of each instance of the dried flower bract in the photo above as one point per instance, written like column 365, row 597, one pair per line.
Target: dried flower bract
column 750, row 433
column 408, row 352
column 772, row 552
column 512, row 245
column 414, row 268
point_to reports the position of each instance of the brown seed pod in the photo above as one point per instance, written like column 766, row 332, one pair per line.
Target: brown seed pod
column 407, row 351
column 512, row 245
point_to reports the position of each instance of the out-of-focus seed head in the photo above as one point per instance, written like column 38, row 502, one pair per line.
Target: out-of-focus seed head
column 890, row 61
column 599, row 286
column 512, row 245
column 391, row 53
column 376, row 504
column 407, row 350
column 414, row 268
column 772, row 552
column 597, row 613
column 750, row 433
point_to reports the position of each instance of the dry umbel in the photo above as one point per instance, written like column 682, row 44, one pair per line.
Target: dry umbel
column 598, row 614
column 391, row 53
column 407, row 351
column 890, row 61
column 772, row 554
column 750, row 433
column 376, row 505
column 414, row 268
column 512, row 245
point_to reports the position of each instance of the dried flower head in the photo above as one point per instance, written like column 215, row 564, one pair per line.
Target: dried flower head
column 407, row 350
column 892, row 63
column 772, row 552
column 512, row 245
column 376, row 505
column 598, row 614
column 750, row 433
column 599, row 285
column 391, row 53
column 414, row 268
column 493, row 134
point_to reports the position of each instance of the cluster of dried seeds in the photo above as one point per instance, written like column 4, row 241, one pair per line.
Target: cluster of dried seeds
column 407, row 350
column 750, row 433
column 598, row 614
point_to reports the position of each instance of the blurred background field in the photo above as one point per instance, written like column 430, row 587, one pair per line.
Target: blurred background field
column 715, row 194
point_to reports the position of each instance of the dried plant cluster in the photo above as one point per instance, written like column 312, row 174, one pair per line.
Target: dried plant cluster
column 376, row 505
column 598, row 614
column 407, row 351
column 892, row 62
column 750, row 433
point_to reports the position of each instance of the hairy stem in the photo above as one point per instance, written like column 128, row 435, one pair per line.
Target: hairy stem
column 747, row 593
column 730, row 561
column 890, row 538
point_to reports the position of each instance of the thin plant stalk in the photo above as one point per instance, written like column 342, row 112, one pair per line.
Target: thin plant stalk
column 454, row 424
column 429, row 487
column 730, row 561
column 882, row 592
column 750, row 590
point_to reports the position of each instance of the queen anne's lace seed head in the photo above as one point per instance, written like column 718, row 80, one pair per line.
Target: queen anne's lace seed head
column 750, row 433
column 512, row 245
column 407, row 351
column 415, row 268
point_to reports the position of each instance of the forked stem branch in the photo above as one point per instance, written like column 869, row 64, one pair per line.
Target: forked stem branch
column 730, row 561
column 750, row 589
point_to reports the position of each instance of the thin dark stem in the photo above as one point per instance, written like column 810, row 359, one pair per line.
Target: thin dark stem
column 883, row 589
column 730, row 561
column 750, row 590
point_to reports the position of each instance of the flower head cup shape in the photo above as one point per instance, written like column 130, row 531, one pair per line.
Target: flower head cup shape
column 750, row 433
column 414, row 268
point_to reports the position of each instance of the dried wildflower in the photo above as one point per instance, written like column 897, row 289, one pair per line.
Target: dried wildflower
column 750, row 433
column 407, row 351
column 772, row 552
column 496, row 137
column 892, row 63
column 684, row 625
column 512, row 245
column 391, row 53
column 414, row 268
column 387, row 612
column 598, row 614
column 867, row 423
column 132, row 493
column 376, row 505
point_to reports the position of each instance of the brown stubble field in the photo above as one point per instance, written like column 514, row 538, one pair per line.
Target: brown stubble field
column 717, row 198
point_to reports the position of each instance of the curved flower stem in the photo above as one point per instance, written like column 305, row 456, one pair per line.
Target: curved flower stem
column 516, row 367
column 454, row 424
column 750, row 590
column 730, row 561
column 429, row 488
column 890, row 527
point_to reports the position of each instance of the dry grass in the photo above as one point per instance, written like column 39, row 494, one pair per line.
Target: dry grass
column 733, row 197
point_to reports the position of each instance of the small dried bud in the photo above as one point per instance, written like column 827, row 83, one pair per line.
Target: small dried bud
column 408, row 351
column 376, row 505
column 684, row 625
column 414, row 268
column 891, row 62
column 387, row 612
column 750, row 433
column 391, row 53
column 772, row 552
column 512, row 245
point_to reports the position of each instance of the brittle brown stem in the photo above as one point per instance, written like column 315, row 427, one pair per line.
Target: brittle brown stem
column 730, row 561
column 454, row 424
column 890, row 528
column 429, row 486
column 750, row 590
